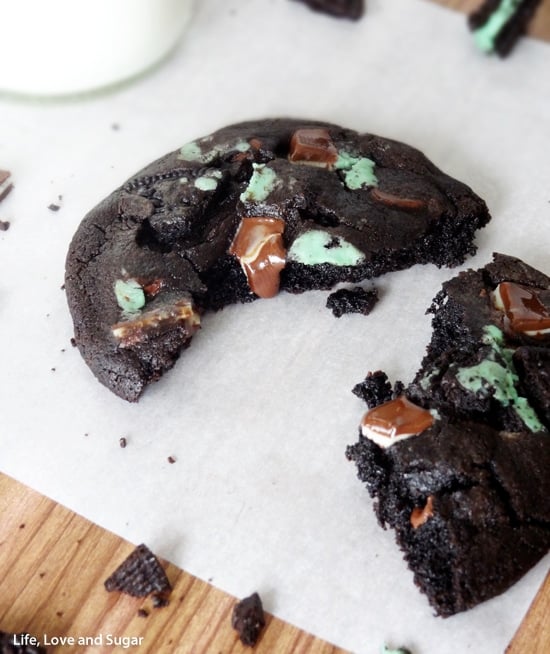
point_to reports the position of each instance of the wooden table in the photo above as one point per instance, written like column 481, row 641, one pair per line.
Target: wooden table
column 53, row 564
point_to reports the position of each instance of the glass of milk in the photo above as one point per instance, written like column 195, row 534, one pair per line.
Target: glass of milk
column 66, row 47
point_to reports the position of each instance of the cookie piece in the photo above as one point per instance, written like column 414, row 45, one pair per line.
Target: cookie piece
column 140, row 575
column 352, row 300
column 352, row 9
column 458, row 463
column 20, row 644
column 5, row 184
column 252, row 209
column 248, row 619
column 497, row 25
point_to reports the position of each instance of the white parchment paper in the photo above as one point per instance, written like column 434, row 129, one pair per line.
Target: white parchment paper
column 258, row 412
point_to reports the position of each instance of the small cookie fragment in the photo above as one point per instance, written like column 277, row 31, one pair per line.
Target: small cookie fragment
column 4, row 225
column 375, row 389
column 497, row 25
column 248, row 619
column 140, row 575
column 20, row 644
column 352, row 300
column 5, row 185
column 352, row 9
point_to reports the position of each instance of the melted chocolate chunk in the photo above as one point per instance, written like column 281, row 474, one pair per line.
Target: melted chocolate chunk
column 314, row 147
column 258, row 245
column 523, row 308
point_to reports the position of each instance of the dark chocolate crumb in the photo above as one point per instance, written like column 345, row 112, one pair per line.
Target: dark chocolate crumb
column 159, row 600
column 139, row 575
column 5, row 185
column 352, row 300
column 374, row 390
column 122, row 442
column 4, row 225
column 171, row 459
column 352, row 9
column 54, row 207
column 22, row 525
column 248, row 619
column 142, row 613
column 59, row 614
column 73, row 342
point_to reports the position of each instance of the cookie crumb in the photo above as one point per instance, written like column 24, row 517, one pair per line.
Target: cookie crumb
column 140, row 575
column 352, row 300
column 171, row 459
column 4, row 225
column 352, row 9
column 122, row 441
column 5, row 185
column 142, row 613
column 54, row 207
column 248, row 619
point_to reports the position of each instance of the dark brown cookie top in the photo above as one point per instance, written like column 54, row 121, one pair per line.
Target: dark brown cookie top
column 242, row 213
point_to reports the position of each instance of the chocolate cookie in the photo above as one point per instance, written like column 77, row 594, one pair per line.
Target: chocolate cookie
column 459, row 460
column 497, row 25
column 251, row 209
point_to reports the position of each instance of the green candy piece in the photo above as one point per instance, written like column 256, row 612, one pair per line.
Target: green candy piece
column 263, row 181
column 130, row 296
column 193, row 151
column 358, row 171
column 208, row 181
column 500, row 378
column 316, row 246
column 485, row 36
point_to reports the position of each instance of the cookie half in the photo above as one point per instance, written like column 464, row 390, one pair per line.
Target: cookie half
column 458, row 461
column 252, row 209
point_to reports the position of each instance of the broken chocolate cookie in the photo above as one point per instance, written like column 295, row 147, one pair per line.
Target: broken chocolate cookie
column 141, row 575
column 458, row 462
column 240, row 214
column 248, row 619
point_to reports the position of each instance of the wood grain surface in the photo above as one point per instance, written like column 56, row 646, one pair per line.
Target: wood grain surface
column 53, row 564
